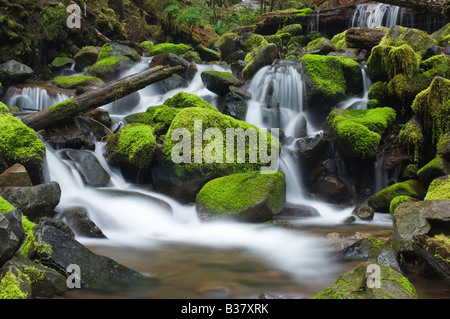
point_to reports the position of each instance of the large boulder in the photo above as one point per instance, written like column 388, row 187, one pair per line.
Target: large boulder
column 439, row 189
column 353, row 284
column 419, row 40
column 364, row 38
column 61, row 250
column 87, row 56
column 15, row 175
column 260, row 56
column 13, row 72
column 34, row 201
column 321, row 46
column 418, row 218
column 12, row 234
column 333, row 189
column 437, row 167
column 249, row 197
column 118, row 50
column 219, row 82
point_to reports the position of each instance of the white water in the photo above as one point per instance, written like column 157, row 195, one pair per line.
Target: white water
column 34, row 98
column 375, row 15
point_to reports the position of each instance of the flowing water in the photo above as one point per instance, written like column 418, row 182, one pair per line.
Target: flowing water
column 156, row 235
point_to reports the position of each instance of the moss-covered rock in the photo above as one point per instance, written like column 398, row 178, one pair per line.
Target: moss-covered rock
column 15, row 285
column 87, row 56
column 355, row 284
column 321, row 46
column 292, row 29
column 359, row 132
column 435, row 168
column 381, row 201
column 420, row 41
column 433, row 107
column 339, row 40
column 260, row 56
column 5, row 206
column 135, row 144
column 219, row 82
column 439, row 189
column 250, row 197
column 72, row 82
column 60, row 62
column 329, row 78
column 109, row 67
column 118, row 50
column 412, row 139
column 400, row 200
column 20, row 144
column 442, row 36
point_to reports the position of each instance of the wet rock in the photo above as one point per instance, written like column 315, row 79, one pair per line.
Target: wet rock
column 58, row 224
column 45, row 282
column 219, row 82
column 332, row 189
column 87, row 164
column 60, row 251
column 364, row 38
column 435, row 168
column 78, row 219
column 12, row 234
column 264, row 56
column 14, row 284
column 171, row 59
column 311, row 150
column 235, row 106
column 16, row 175
column 13, row 72
column 229, row 46
column 361, row 250
column 235, row 56
column 364, row 212
column 173, row 82
column 321, row 46
column 34, row 201
column 293, row 211
column 118, row 50
column 207, row 54
column 87, row 56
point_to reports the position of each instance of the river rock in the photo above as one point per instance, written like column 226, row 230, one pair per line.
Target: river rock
column 171, row 59
column 235, row 56
column 207, row 54
column 12, row 234
column 263, row 56
column 16, row 175
column 219, row 82
column 311, row 150
column 118, row 50
column 435, row 168
column 77, row 218
column 361, row 250
column 14, row 284
column 443, row 146
column 248, row 197
column 418, row 218
column 235, row 106
column 34, row 201
column 87, row 164
column 353, row 284
column 45, row 282
column 321, row 46
column 58, row 223
column 332, row 189
column 60, row 251
column 229, row 46
column 87, row 56
column 293, row 211
column 13, row 72
column 364, row 212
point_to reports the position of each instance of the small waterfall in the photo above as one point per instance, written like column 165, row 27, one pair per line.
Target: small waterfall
column 359, row 103
column 313, row 25
column 375, row 15
column 33, row 98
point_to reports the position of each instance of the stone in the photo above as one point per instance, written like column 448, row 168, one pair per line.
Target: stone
column 219, row 82
column 364, row 38
column 77, row 218
column 364, row 212
column 12, row 234
column 87, row 56
column 294, row 211
column 13, row 72
column 332, row 189
column 16, row 175
column 206, row 54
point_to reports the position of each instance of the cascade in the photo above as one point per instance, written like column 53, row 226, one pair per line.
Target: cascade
column 375, row 15
column 32, row 98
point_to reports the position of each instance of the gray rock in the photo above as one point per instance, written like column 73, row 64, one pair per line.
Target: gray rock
column 13, row 72
column 12, row 234
column 16, row 175
column 77, row 218
column 293, row 211
column 364, row 212
column 219, row 82
column 33, row 201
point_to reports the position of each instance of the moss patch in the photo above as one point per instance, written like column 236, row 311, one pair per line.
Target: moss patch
column 5, row 206
column 439, row 189
column 177, row 49
column 71, row 82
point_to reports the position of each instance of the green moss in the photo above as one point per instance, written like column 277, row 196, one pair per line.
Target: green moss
column 64, row 105
column 31, row 246
column 147, row 46
column 255, row 40
column 18, row 143
column 438, row 65
column 135, row 144
column 108, row 67
column 417, row 39
column 360, row 131
column 225, row 37
column 442, row 36
column 292, row 29
column 5, row 206
column 411, row 188
column 314, row 43
column 339, row 40
column 61, row 61
column 10, row 286
column 333, row 77
column 433, row 107
column 399, row 200
column 441, row 244
column 165, row 115
column 71, row 82
column 412, row 139
column 183, row 100
column 237, row 193
column 177, row 49
column 439, row 189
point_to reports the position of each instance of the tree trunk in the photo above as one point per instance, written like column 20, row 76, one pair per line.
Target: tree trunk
column 90, row 100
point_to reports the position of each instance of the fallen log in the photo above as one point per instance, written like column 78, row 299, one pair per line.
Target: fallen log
column 90, row 100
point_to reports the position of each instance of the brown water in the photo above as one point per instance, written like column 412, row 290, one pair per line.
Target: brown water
column 196, row 272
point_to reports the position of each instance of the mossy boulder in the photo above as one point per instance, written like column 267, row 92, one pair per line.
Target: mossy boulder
column 20, row 144
column 339, row 41
column 321, row 46
column 108, row 68
column 177, row 49
column 134, row 145
column 439, row 189
column 118, row 50
column 219, row 82
column 15, row 285
column 87, row 56
column 72, row 82
column 185, row 168
column 61, row 62
column 442, row 36
column 437, row 167
column 433, row 107
column 400, row 200
column 381, row 201
column 13, row 72
column 260, row 56
column 249, row 197
column 329, row 79
column 443, row 146
column 147, row 46
column 207, row 54
column 420, row 41
column 353, row 284
column 412, row 139
column 359, row 132
column 292, row 29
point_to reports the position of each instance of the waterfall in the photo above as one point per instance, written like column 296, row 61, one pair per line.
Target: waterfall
column 33, row 98
column 359, row 103
column 375, row 15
